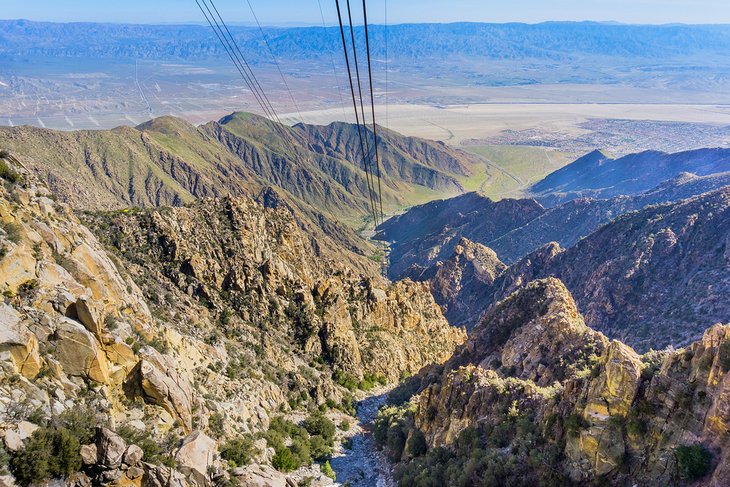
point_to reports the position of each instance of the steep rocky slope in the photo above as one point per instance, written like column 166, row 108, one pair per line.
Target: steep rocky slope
column 537, row 398
column 465, row 282
column 596, row 175
column 652, row 278
column 204, row 324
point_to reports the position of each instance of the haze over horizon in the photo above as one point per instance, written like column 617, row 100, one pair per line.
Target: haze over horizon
column 292, row 12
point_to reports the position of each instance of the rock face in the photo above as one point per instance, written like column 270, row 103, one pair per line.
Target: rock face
column 462, row 283
column 232, row 251
column 428, row 233
column 593, row 411
column 653, row 278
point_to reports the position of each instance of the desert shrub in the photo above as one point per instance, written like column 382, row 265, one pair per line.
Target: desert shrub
column 6, row 172
column 238, row 451
column 284, row 460
column 348, row 381
column 327, row 470
column 395, row 442
column 573, row 424
column 693, row 461
column 215, row 425
column 49, row 453
column 80, row 422
column 12, row 231
column 319, row 448
column 4, row 460
column 154, row 452
column 319, row 424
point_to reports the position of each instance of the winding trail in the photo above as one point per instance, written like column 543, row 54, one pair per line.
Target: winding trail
column 363, row 465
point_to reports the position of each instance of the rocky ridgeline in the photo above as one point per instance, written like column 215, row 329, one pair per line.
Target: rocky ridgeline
column 203, row 324
column 536, row 397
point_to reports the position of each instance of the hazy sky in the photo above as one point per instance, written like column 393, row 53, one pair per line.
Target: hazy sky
column 306, row 12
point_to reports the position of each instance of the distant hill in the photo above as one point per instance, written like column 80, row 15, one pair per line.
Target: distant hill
column 168, row 161
column 596, row 175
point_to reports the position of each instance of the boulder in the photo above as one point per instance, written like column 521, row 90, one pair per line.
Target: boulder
column 133, row 455
column 260, row 476
column 26, row 429
column 78, row 352
column 17, row 341
column 110, row 448
column 13, row 442
column 197, row 453
column 161, row 476
column 17, row 267
column 88, row 315
column 89, row 454
column 159, row 383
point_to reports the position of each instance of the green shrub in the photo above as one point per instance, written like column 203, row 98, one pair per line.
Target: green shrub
column 154, row 453
column 396, row 443
column 49, row 453
column 319, row 448
column 215, row 425
column 348, row 381
column 573, row 424
column 327, row 470
column 4, row 460
column 319, row 424
column 6, row 172
column 284, row 460
column 12, row 231
column 345, row 425
column 238, row 451
column 693, row 461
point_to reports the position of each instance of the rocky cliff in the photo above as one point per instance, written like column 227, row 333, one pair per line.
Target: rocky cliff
column 536, row 397
column 136, row 366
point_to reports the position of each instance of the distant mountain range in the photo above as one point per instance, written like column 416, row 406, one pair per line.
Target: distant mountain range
column 550, row 40
column 645, row 266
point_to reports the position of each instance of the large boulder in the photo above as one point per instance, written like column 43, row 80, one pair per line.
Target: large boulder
column 18, row 343
column 110, row 448
column 260, row 476
column 196, row 454
column 156, row 379
column 79, row 353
